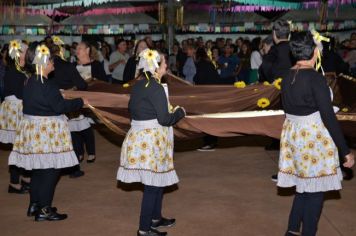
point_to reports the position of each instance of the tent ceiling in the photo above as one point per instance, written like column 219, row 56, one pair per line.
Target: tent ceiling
column 27, row 20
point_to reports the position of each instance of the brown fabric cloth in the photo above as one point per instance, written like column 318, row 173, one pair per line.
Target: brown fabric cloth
column 110, row 101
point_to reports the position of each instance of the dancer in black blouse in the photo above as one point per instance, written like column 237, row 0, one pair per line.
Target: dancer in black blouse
column 43, row 142
column 147, row 152
column 11, row 109
column 311, row 140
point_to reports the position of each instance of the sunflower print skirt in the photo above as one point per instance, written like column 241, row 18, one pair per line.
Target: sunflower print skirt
column 10, row 117
column 147, row 155
column 43, row 142
column 308, row 156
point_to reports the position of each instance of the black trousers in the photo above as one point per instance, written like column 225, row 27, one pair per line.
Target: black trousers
column 83, row 138
column 210, row 140
column 43, row 185
column 151, row 207
column 15, row 174
column 306, row 209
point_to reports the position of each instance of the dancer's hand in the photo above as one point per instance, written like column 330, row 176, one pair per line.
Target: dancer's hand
column 349, row 160
column 85, row 101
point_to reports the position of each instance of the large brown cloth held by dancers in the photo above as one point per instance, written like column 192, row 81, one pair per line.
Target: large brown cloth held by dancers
column 110, row 102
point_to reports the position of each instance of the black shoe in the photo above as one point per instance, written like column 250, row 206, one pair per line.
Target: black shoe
column 33, row 208
column 25, row 185
column 274, row 178
column 47, row 213
column 206, row 148
column 76, row 174
column 347, row 173
column 152, row 232
column 22, row 190
column 163, row 222
column 92, row 160
column 274, row 146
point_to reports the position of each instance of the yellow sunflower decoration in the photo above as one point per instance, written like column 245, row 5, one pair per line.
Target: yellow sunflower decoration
column 240, row 84
column 57, row 40
column 14, row 49
column 345, row 109
column 266, row 83
column 278, row 83
column 41, row 58
column 149, row 62
column 263, row 102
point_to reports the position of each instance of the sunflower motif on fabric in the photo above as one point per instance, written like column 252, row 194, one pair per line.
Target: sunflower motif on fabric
column 240, row 84
column 278, row 83
column 314, row 161
column 288, row 156
column 330, row 153
column 132, row 161
column 143, row 158
column 144, row 145
column 263, row 102
column 306, row 157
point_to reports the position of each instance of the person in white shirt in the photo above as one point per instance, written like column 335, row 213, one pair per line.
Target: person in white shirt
column 118, row 61
column 256, row 59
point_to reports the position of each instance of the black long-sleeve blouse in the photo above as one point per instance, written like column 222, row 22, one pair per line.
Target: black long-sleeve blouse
column 308, row 94
column 66, row 76
column 130, row 69
column 14, row 81
column 45, row 99
column 147, row 103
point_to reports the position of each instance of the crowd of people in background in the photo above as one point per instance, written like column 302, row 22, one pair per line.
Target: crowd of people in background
column 226, row 60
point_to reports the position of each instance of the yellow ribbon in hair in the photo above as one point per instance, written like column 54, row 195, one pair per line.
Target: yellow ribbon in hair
column 210, row 56
column 319, row 38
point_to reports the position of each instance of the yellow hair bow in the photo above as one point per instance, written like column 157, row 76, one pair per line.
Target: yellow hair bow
column 318, row 38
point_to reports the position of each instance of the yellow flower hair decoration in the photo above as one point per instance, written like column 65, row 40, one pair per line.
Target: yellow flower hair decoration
column 277, row 83
column 210, row 56
column 57, row 41
column 41, row 58
column 15, row 48
column 240, row 84
column 318, row 38
column 263, row 102
column 149, row 62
